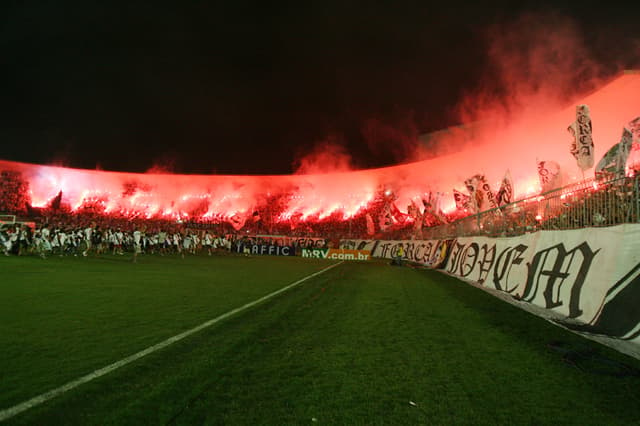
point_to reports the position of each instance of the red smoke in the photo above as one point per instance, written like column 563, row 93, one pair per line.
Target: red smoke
column 538, row 65
column 316, row 196
column 327, row 156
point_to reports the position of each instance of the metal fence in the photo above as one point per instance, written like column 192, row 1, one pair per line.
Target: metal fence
column 7, row 219
column 588, row 203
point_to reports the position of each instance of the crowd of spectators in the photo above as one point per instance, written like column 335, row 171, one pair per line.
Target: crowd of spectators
column 84, row 234
column 73, row 239
column 590, row 203
column 14, row 191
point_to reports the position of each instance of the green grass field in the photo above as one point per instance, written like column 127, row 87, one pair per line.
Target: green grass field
column 363, row 343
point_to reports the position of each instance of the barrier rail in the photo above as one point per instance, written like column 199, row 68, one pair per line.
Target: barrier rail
column 7, row 219
column 588, row 203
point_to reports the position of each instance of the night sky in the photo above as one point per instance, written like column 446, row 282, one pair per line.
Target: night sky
column 248, row 87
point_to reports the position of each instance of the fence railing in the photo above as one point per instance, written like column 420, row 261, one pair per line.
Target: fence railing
column 588, row 203
column 7, row 219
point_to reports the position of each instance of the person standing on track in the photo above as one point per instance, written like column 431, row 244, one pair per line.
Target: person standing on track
column 207, row 242
column 137, row 243
column 45, row 241
column 398, row 259
column 88, row 238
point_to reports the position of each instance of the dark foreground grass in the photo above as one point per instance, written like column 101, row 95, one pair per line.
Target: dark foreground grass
column 359, row 344
column 62, row 318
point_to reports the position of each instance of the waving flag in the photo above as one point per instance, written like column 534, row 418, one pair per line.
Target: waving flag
column 488, row 199
column 480, row 191
column 371, row 227
column 462, row 200
column 438, row 208
column 505, row 193
column 385, row 219
column 294, row 220
column 398, row 216
column 615, row 160
column 237, row 221
column 634, row 155
column 414, row 211
column 549, row 174
column 432, row 216
column 428, row 202
column 472, row 185
column 634, row 128
column 582, row 144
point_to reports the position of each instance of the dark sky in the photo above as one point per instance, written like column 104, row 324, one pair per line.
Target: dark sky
column 247, row 86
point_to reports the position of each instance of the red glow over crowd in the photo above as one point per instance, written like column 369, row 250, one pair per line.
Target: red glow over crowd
column 297, row 199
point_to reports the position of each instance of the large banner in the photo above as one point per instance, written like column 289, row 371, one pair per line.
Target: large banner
column 589, row 276
column 430, row 253
column 582, row 139
column 270, row 250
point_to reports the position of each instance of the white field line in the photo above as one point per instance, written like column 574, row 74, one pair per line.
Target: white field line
column 26, row 405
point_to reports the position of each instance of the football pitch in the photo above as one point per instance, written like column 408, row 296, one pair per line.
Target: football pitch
column 359, row 343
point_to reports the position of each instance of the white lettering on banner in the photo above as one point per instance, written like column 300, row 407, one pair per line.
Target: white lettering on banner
column 582, row 140
column 551, row 269
column 316, row 253
column 554, row 270
column 539, row 280
column 426, row 252
column 349, row 256
column 339, row 254
column 267, row 250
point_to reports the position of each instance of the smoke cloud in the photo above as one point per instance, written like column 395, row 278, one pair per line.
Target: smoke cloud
column 396, row 139
column 327, row 156
column 536, row 64
column 518, row 114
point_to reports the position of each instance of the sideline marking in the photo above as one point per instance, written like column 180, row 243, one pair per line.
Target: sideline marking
column 17, row 409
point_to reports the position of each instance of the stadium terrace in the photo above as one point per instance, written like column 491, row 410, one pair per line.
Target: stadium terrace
column 521, row 160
